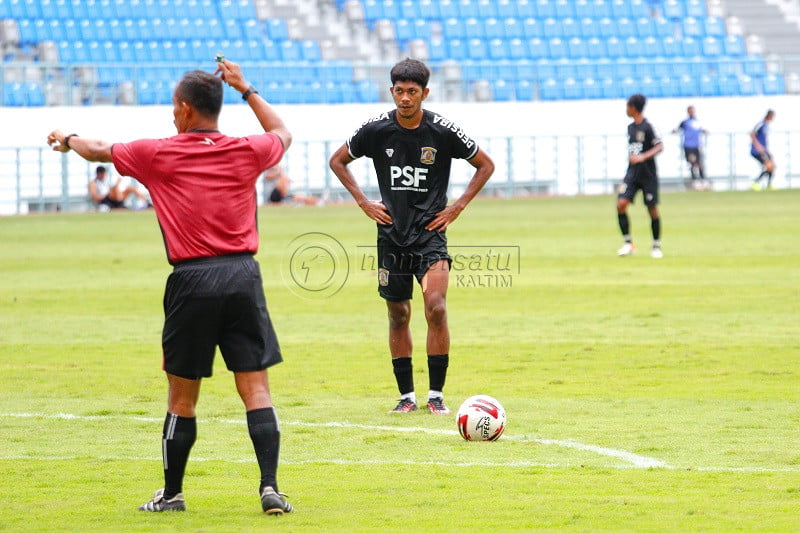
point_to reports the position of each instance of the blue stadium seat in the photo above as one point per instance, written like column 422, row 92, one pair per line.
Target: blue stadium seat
column 531, row 28
column 524, row 69
column 276, row 29
column 651, row 47
column 747, row 86
column 403, row 30
column 524, row 90
column 624, row 68
column 604, row 68
column 527, row 8
column 507, row 9
column 671, row 47
column 615, row 47
column 453, row 28
column 626, row 28
column 494, row 29
column 621, row 9
column 584, row 68
column 448, row 9
column 599, row 8
column 571, row 89
column 570, row 28
column 290, row 51
column 693, row 27
column 457, row 49
column 663, row 27
column 498, row 49
column 466, row 8
column 517, row 49
column 310, row 50
column 714, row 27
column 551, row 28
column 609, row 88
column 429, row 9
column 549, row 90
column 753, row 65
column 557, row 48
column 473, row 28
column 438, row 50
column 578, row 48
column 565, row 9
column 727, row 66
column 485, row 9
column 691, row 47
column 546, row 69
column 713, row 47
column 477, row 49
column 607, row 28
column 687, row 86
column 502, row 91
column 673, row 10
column 503, row 69
column 709, row 86
column 541, row 8
column 537, row 48
column 660, row 67
column 513, row 28
column 734, row 46
column 589, row 28
column 596, row 48
column 645, row 27
column 409, row 10
column 773, row 84
column 696, row 8
column 367, row 91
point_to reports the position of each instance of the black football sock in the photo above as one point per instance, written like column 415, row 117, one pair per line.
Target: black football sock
column 765, row 173
column 403, row 373
column 655, row 226
column 265, row 432
column 437, row 371
column 624, row 226
column 177, row 439
column 769, row 179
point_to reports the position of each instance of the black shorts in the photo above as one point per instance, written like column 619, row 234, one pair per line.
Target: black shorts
column 692, row 155
column 113, row 204
column 762, row 157
column 275, row 197
column 398, row 266
column 214, row 302
column 633, row 184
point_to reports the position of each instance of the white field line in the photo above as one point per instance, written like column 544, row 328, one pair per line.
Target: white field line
column 630, row 459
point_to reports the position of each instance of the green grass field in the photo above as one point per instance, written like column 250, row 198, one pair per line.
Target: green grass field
column 642, row 395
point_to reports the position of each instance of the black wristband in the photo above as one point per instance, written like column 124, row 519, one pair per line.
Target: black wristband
column 66, row 139
column 250, row 90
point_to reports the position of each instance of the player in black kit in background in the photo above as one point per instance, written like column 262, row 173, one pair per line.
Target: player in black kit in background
column 411, row 149
column 644, row 144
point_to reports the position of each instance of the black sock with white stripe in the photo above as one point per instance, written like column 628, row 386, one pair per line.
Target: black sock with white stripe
column 177, row 439
column 265, row 432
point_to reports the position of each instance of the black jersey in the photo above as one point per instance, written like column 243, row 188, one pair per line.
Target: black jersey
column 641, row 138
column 413, row 170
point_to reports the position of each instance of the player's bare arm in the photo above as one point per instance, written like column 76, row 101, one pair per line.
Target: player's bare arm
column 89, row 149
column 231, row 73
column 644, row 156
column 374, row 210
column 484, row 167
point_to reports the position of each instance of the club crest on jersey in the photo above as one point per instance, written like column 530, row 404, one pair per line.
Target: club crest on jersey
column 389, row 152
column 640, row 136
column 428, row 155
column 383, row 277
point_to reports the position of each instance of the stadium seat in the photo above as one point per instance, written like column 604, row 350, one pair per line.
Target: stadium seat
column 502, row 91
column 696, row 8
column 596, row 48
column 429, row 9
column 625, row 28
column 712, row 47
column 673, row 10
column 645, row 27
column 578, row 48
column 564, row 9
column 485, row 9
column 570, row 28
column 615, row 48
column 532, row 28
column 507, row 9
column 709, row 86
column 473, row 28
column 746, row 86
column 773, row 84
column 692, row 27
column 734, row 46
column 604, row 68
column 557, row 48
column 546, row 69
column 524, row 90
column 691, row 47
column 528, row 8
column 449, row 9
column 714, row 27
column 454, row 28
column 549, row 90
column 498, row 49
column 663, row 27
column 551, row 28
column 537, row 48
column 494, row 29
column 477, row 49
column 457, row 49
column 753, row 65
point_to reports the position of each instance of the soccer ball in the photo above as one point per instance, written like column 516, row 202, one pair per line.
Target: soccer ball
column 481, row 417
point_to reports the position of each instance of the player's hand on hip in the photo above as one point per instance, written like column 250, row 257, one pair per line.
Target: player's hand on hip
column 444, row 218
column 377, row 212
column 56, row 140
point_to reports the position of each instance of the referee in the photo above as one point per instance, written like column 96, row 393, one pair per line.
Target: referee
column 202, row 185
column 412, row 149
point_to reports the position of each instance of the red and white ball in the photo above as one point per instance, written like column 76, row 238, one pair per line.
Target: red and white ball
column 481, row 417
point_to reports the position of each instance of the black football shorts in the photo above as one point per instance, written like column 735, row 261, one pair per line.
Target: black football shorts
column 634, row 183
column 398, row 266
column 214, row 302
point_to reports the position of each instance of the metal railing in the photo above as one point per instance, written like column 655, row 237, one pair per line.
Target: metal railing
column 37, row 179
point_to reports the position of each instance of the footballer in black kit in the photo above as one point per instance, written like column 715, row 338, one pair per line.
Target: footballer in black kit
column 413, row 171
column 412, row 150
column 644, row 144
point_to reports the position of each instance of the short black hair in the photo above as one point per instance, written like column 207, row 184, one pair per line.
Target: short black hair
column 202, row 90
column 100, row 169
column 637, row 101
column 769, row 112
column 411, row 70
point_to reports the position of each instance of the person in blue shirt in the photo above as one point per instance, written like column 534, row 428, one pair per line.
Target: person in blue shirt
column 692, row 133
column 759, row 150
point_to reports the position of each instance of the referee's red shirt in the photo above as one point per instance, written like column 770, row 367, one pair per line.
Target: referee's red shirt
column 202, row 185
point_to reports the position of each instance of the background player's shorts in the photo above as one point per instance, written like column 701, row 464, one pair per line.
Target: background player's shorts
column 633, row 184
column 214, row 302
column 761, row 157
column 692, row 155
column 276, row 197
column 398, row 266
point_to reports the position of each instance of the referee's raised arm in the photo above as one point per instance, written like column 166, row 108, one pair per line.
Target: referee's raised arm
column 231, row 73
